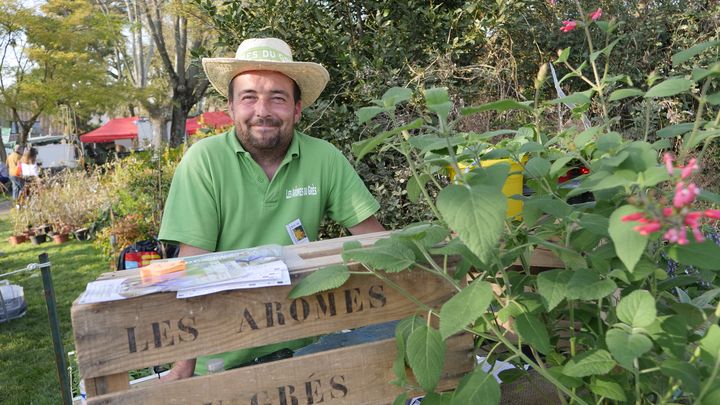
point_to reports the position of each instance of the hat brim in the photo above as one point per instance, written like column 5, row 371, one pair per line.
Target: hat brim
column 310, row 77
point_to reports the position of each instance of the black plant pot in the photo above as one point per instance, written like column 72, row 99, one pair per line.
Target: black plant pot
column 38, row 239
column 82, row 234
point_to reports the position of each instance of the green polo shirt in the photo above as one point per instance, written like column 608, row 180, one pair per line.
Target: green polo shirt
column 220, row 199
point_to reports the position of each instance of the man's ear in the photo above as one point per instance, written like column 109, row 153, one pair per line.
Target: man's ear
column 230, row 111
column 298, row 111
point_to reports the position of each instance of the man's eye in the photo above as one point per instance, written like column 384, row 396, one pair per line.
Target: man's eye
column 278, row 99
column 248, row 98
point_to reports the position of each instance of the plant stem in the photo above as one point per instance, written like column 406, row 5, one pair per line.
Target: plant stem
column 423, row 189
column 698, row 121
column 710, row 381
column 636, row 372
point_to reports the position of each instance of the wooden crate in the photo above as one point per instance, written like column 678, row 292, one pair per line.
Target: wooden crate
column 112, row 338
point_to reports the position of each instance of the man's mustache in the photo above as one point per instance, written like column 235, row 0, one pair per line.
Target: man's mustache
column 265, row 122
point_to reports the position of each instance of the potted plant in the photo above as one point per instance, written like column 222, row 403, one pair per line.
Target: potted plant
column 613, row 321
column 19, row 225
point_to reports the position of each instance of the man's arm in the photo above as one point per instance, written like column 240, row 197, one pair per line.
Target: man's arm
column 184, row 368
column 369, row 225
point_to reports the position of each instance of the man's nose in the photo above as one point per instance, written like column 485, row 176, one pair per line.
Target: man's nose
column 262, row 108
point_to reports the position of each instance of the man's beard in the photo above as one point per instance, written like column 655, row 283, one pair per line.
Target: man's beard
column 266, row 139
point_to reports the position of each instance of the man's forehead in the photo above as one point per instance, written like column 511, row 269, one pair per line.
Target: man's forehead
column 255, row 76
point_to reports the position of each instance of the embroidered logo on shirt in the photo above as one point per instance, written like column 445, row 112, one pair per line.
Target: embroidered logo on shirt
column 301, row 191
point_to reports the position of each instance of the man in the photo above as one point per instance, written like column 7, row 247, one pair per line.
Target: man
column 13, row 160
column 261, row 182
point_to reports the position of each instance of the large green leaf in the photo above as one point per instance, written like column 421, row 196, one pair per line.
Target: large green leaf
column 710, row 344
column 669, row 87
column 558, row 166
column 537, row 167
column 705, row 255
column 402, row 331
column 637, row 309
column 365, row 114
column 683, row 56
column 626, row 347
column 437, row 100
column 477, row 214
column 586, row 136
column 415, row 185
column 629, row 244
column 592, row 362
column 625, row 93
column 533, row 332
column 395, row 95
column 477, row 387
column 675, row 130
column 323, row 279
column 684, row 372
column 552, row 286
column 465, row 307
column 608, row 388
column 586, row 284
column 388, row 256
column 500, row 105
column 426, row 355
column 362, row 148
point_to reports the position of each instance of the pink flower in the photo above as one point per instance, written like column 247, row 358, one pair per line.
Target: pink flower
column 671, row 235
column 698, row 235
column 692, row 218
column 552, row 2
column 684, row 196
column 568, row 26
column 691, row 167
column 633, row 217
column 648, row 228
column 712, row 214
column 596, row 14
column 667, row 158
column 667, row 212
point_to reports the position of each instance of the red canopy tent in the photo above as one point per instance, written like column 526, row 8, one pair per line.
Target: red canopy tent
column 125, row 128
column 116, row 128
column 215, row 119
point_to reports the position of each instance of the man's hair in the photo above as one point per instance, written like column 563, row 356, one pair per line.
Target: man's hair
column 297, row 95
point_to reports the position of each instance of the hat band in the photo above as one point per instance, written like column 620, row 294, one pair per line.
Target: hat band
column 264, row 54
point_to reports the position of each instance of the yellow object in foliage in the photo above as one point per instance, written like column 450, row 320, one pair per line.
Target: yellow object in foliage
column 513, row 184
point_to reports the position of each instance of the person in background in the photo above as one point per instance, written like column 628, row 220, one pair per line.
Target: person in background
column 13, row 163
column 262, row 182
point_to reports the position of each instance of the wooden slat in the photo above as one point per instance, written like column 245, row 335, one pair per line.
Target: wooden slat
column 106, row 384
column 353, row 375
column 118, row 336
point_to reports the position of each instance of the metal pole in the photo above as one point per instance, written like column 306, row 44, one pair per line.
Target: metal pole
column 55, row 329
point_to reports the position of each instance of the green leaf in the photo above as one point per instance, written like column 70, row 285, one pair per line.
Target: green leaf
column 426, row 355
column 563, row 57
column 570, row 382
column 434, row 398
column 478, row 387
column 675, row 130
column 428, row 233
column 437, row 100
column 626, row 347
column 683, row 371
column 500, row 105
column 533, row 332
column 415, row 185
column 395, row 95
column 713, row 99
column 610, row 389
column 669, row 87
column 637, row 309
column 537, row 167
column 558, row 166
column 709, row 196
column 705, row 255
column 465, row 307
column 401, row 399
column 552, row 286
column 388, row 256
column 477, row 214
column 327, row 278
column 683, row 56
column 607, row 142
column 592, row 362
column 625, row 93
column 530, row 147
column 575, row 98
column 586, row 136
column 629, row 244
column 595, row 223
column 710, row 344
column 365, row 114
column 586, row 284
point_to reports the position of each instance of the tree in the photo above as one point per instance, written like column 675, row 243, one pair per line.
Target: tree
column 63, row 61
column 185, row 77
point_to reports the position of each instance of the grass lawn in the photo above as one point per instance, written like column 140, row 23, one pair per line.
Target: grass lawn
column 27, row 361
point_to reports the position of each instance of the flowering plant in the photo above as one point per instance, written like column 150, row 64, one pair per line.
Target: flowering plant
column 609, row 323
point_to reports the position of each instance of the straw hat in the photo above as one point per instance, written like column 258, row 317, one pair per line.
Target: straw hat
column 267, row 54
